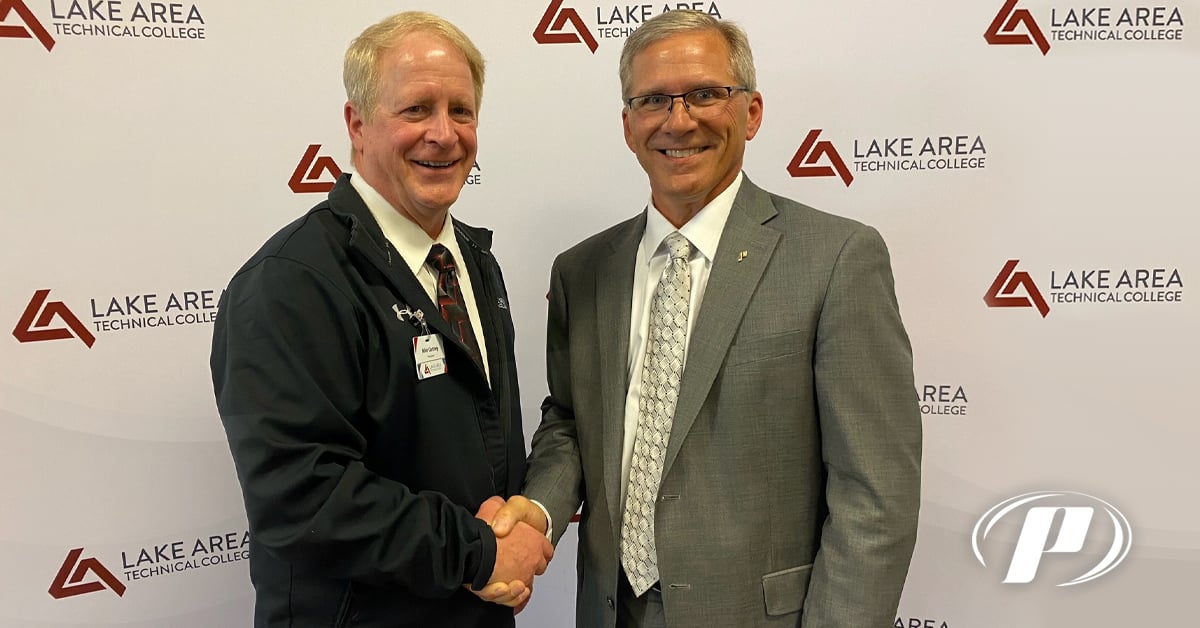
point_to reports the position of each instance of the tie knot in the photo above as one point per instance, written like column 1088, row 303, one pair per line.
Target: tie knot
column 678, row 246
column 440, row 258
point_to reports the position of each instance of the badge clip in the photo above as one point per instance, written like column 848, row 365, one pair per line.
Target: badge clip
column 409, row 316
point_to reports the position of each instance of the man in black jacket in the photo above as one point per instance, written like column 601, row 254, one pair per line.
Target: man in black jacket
column 364, row 371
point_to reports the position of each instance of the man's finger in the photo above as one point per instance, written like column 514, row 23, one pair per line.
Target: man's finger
column 524, row 601
column 493, row 592
column 504, row 593
column 515, row 592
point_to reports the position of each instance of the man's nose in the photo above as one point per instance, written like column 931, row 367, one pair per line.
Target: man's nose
column 440, row 129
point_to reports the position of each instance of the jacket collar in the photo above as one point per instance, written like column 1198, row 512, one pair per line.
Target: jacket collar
column 366, row 235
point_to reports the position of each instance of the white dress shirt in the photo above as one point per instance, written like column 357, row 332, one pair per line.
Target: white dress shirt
column 413, row 244
column 704, row 232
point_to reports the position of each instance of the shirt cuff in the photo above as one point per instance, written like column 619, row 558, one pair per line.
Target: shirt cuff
column 549, row 521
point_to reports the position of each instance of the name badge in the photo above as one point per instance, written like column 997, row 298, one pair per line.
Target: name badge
column 429, row 356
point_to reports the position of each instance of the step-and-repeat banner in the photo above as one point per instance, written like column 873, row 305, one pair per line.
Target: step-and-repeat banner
column 1031, row 163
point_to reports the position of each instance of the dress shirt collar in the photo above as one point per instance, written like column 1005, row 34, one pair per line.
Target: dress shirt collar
column 703, row 230
column 410, row 240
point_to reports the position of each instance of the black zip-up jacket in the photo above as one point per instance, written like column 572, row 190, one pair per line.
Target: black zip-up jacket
column 361, row 481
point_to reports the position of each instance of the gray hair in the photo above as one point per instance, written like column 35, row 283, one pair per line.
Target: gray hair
column 741, row 60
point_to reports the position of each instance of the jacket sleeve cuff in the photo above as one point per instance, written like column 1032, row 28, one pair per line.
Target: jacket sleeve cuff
column 487, row 558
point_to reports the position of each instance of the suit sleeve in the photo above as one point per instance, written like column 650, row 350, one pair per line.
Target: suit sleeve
column 287, row 359
column 871, row 443
column 555, row 473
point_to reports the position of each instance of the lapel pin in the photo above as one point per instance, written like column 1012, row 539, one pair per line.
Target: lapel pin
column 743, row 255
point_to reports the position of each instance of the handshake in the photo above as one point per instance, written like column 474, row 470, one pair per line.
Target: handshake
column 522, row 550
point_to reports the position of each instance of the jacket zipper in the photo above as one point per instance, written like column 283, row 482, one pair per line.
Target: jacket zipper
column 489, row 280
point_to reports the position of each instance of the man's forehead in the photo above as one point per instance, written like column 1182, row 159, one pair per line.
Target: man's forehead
column 694, row 58
column 705, row 48
column 423, row 44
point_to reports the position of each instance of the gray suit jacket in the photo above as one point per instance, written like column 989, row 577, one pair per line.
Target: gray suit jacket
column 791, row 483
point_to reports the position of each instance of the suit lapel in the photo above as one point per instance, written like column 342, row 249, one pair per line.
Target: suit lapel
column 731, row 283
column 614, row 298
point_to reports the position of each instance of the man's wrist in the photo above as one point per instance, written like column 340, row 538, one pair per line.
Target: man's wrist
column 549, row 521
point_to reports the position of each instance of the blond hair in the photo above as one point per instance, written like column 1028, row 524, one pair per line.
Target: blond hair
column 360, row 70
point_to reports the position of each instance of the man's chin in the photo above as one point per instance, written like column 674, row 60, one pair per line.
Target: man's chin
column 437, row 202
column 676, row 187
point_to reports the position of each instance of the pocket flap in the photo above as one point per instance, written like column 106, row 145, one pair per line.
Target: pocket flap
column 745, row 350
column 784, row 591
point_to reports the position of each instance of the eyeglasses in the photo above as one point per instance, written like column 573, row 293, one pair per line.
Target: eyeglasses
column 699, row 103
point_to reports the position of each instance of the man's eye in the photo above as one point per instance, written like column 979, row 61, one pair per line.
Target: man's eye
column 704, row 95
column 655, row 100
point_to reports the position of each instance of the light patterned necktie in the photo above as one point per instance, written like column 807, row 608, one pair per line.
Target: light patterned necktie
column 656, row 411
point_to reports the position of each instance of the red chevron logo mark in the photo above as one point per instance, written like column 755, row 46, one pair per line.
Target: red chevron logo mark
column 804, row 163
column 1003, row 289
column 1004, row 28
column 69, row 580
column 34, row 325
column 550, row 29
column 32, row 28
column 306, row 178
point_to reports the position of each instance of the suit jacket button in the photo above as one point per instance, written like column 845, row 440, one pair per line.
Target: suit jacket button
column 610, row 603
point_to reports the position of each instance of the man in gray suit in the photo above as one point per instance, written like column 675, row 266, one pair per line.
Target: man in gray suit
column 731, row 390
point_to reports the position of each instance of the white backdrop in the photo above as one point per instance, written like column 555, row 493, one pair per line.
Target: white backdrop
column 147, row 150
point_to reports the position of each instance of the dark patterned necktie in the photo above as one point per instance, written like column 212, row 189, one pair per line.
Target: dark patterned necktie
column 450, row 300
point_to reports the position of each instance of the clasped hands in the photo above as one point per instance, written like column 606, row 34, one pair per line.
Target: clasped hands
column 522, row 550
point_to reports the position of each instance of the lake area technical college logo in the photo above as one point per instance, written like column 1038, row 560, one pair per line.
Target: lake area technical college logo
column 901, row 154
column 53, row 320
column 1161, row 285
column 1015, row 25
column 163, row 559
column 564, row 25
column 94, row 19
column 1054, row 522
